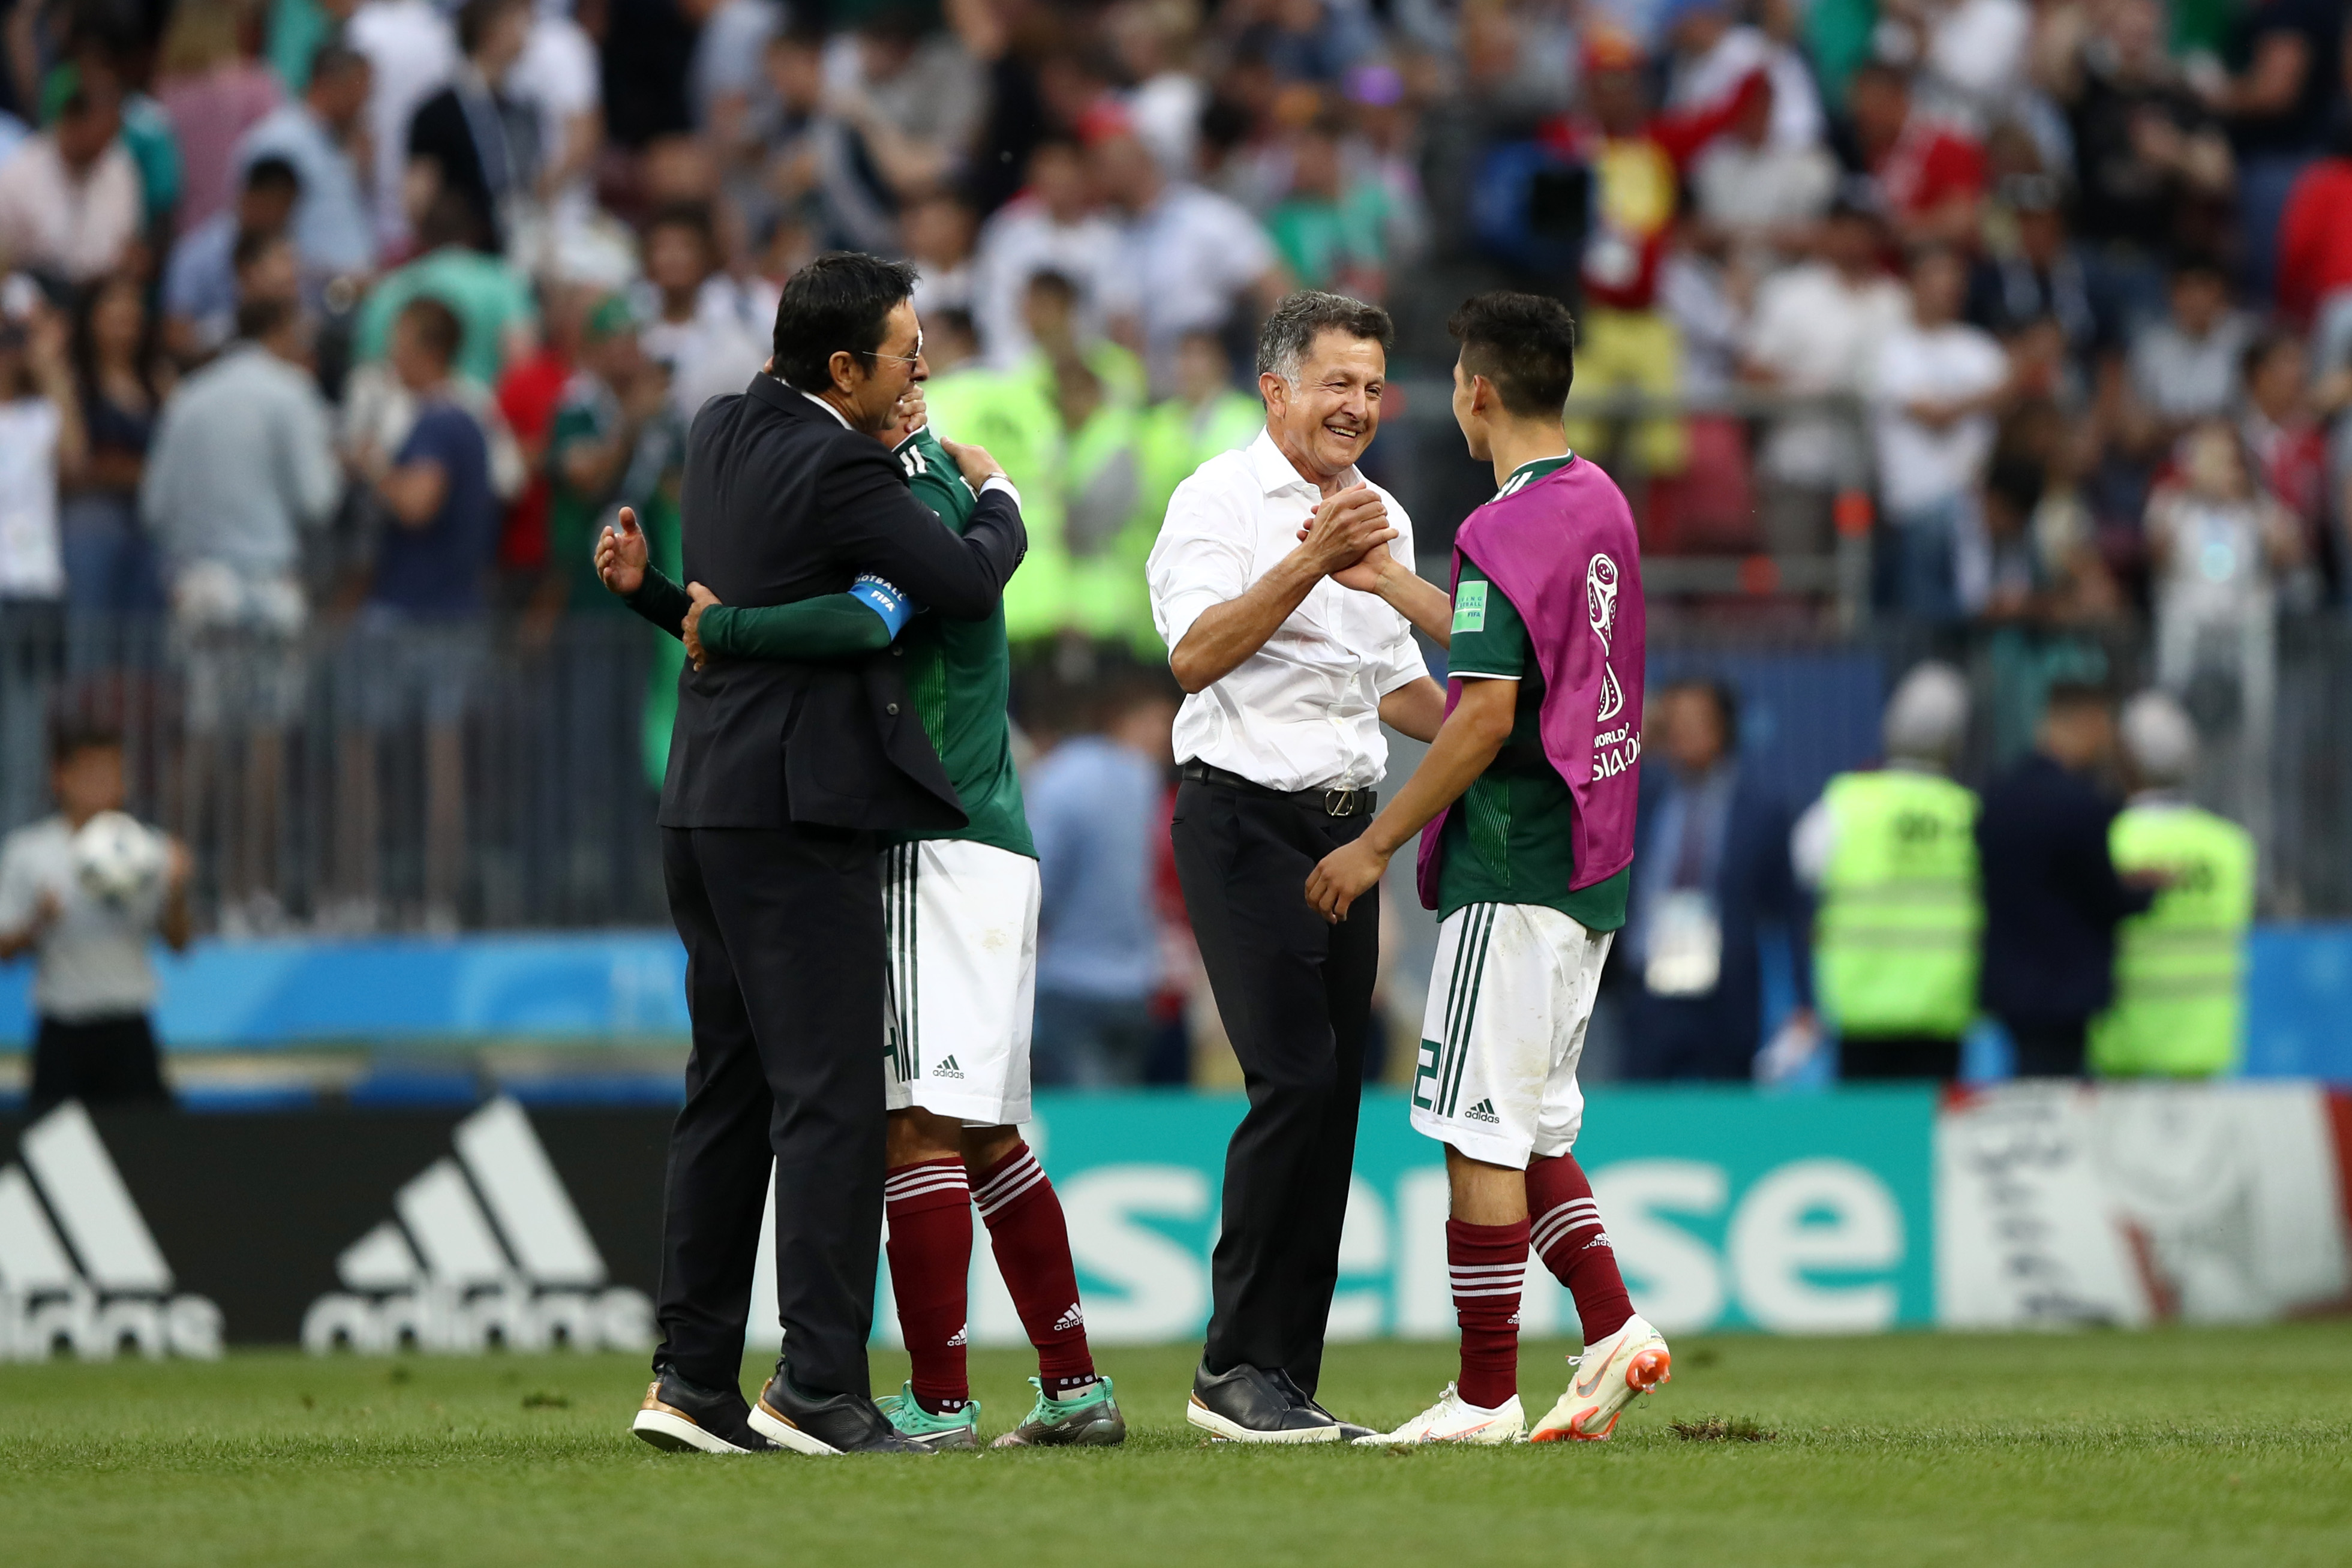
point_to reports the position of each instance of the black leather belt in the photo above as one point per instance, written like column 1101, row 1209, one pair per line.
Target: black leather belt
column 1330, row 802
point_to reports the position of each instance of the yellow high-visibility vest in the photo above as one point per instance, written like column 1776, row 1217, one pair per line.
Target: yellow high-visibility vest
column 1897, row 937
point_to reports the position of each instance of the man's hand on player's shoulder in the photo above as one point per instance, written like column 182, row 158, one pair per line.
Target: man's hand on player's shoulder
column 621, row 555
column 978, row 467
column 703, row 599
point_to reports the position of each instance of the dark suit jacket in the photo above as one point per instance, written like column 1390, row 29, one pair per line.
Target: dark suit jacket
column 1718, row 1034
column 784, row 503
column 2052, row 896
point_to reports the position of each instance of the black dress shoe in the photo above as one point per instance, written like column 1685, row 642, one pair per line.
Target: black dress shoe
column 825, row 1424
column 1349, row 1430
column 684, row 1417
column 1247, row 1405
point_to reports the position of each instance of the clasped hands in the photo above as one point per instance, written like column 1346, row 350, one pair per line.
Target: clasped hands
column 1347, row 540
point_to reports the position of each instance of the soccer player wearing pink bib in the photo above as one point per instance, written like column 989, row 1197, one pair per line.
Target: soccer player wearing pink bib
column 1524, row 809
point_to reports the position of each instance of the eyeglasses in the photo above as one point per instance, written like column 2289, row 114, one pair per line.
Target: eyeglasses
column 906, row 359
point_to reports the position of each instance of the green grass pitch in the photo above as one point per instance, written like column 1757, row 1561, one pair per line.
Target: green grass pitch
column 2205, row 1448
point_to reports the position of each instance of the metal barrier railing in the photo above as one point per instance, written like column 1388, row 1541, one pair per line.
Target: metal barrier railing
column 359, row 780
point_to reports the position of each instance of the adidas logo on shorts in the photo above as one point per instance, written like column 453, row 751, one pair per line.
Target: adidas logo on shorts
column 1481, row 1111
column 1073, row 1319
column 962, row 1336
column 947, row 1068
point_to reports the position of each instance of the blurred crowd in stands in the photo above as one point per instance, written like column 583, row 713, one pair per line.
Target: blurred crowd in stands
column 2079, row 268
column 346, row 324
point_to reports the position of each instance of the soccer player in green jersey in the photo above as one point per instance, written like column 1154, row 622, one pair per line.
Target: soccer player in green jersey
column 1520, row 945
column 960, row 912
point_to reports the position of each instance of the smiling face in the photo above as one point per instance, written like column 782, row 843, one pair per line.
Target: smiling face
column 1324, row 421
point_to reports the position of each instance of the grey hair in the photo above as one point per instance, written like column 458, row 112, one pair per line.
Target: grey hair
column 1289, row 334
column 1928, row 717
column 2160, row 739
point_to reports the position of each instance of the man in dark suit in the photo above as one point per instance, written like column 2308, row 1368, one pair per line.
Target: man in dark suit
column 1710, row 870
column 781, row 775
column 2052, row 898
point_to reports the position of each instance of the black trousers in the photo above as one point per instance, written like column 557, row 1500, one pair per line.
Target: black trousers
column 99, row 1061
column 2049, row 1049
column 783, row 977
column 1884, row 1058
column 1295, row 995
column 1710, row 1038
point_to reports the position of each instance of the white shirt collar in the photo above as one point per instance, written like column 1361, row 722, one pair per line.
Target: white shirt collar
column 1275, row 473
column 820, row 403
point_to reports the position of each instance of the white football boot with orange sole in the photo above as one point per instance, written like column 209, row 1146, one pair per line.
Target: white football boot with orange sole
column 1455, row 1420
column 1635, row 1360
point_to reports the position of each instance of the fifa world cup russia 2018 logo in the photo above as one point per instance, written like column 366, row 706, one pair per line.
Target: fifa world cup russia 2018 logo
column 1600, row 607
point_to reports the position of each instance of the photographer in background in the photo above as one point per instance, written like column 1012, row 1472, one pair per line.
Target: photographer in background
column 83, row 889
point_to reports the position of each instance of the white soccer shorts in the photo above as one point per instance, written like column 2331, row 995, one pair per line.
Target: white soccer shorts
column 960, row 924
column 1510, row 998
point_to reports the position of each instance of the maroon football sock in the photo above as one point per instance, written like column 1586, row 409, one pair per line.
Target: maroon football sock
column 1488, row 1264
column 1033, row 1252
column 1567, row 1237
column 929, row 1207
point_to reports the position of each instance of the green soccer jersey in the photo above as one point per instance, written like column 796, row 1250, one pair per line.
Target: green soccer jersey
column 959, row 674
column 1511, row 837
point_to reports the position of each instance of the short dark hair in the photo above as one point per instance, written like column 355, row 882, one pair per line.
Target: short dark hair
column 1290, row 334
column 2073, row 694
column 839, row 302
column 334, row 58
column 1719, row 692
column 451, row 218
column 1882, row 71
column 258, row 320
column 1053, row 282
column 477, row 17
column 2197, row 263
column 952, row 320
column 689, row 214
column 1524, row 344
column 437, row 326
column 273, row 173
column 76, row 730
column 2266, row 342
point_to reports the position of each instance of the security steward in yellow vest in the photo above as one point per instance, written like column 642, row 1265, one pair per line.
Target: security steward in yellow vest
column 1891, row 855
column 2180, row 967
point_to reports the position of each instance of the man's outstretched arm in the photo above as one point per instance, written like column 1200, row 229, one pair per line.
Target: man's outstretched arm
column 1466, row 745
column 833, row 625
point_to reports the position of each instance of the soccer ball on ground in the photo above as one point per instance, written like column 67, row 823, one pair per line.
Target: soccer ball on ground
column 117, row 858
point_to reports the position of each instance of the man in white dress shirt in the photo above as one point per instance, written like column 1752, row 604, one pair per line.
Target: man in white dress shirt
column 1290, row 672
